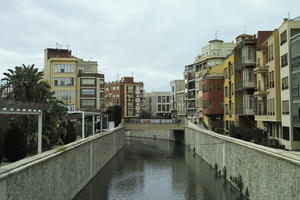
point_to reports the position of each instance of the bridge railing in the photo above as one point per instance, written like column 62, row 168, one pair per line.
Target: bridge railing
column 151, row 121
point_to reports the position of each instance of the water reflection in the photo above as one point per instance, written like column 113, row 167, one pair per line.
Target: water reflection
column 148, row 169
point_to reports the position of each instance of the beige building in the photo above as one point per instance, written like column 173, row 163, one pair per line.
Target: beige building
column 158, row 103
column 74, row 81
column 267, row 92
column 178, row 107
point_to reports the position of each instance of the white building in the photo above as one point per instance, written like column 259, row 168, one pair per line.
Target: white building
column 178, row 107
column 289, row 33
column 158, row 103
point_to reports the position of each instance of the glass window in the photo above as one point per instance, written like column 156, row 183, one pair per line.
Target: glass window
column 64, row 81
column 284, row 60
column 88, row 102
column 284, row 83
column 88, row 81
column 89, row 92
column 286, row 133
column 285, row 107
column 283, row 38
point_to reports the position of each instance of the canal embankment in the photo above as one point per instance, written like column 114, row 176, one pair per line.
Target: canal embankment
column 259, row 172
column 62, row 172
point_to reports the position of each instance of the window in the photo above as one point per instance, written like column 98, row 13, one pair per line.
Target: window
column 159, row 107
column 285, row 107
column 226, row 91
column 64, row 81
column 296, row 134
column 283, row 38
column 64, row 68
column 284, row 83
column 64, row 94
column 88, row 81
column 88, row 92
column 168, row 99
column 168, row 107
column 286, row 133
column 270, row 53
column 284, row 60
column 87, row 102
column 159, row 99
column 226, row 109
column 163, row 107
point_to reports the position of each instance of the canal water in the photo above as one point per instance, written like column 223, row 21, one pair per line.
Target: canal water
column 159, row 170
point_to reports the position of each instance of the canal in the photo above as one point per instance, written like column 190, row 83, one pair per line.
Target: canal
column 157, row 169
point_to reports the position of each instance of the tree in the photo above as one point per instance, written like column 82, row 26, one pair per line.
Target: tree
column 15, row 143
column 115, row 114
column 27, row 84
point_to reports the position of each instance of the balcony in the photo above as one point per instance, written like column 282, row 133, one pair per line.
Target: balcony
column 260, row 69
column 260, row 92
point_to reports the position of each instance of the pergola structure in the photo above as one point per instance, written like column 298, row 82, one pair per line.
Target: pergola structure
column 18, row 111
column 83, row 115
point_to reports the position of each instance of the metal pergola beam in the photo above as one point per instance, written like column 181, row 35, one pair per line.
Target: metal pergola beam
column 5, row 111
column 87, row 113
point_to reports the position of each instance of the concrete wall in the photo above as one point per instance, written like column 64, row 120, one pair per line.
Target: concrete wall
column 60, row 173
column 151, row 133
column 267, row 173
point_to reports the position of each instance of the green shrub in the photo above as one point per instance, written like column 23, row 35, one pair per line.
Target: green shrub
column 71, row 133
column 15, row 144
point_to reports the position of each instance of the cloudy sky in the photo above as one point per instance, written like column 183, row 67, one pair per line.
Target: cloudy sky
column 151, row 39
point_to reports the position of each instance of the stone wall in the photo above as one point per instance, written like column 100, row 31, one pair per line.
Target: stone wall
column 60, row 173
column 266, row 173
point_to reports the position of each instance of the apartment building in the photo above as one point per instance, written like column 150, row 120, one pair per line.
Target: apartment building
column 209, row 61
column 127, row 94
column 159, row 104
column 290, row 81
column 229, row 93
column 190, row 92
column 74, row 81
column 177, row 103
column 267, row 91
column 213, row 101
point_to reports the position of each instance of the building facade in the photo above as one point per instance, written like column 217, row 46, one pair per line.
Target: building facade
column 289, row 66
column 267, row 91
column 229, row 93
column 74, row 81
column 127, row 94
column 159, row 104
column 178, row 108
column 213, row 101
column 209, row 61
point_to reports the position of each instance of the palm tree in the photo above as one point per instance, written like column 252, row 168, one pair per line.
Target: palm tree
column 27, row 84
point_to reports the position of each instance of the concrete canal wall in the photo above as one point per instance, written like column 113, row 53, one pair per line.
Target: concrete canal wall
column 265, row 172
column 151, row 133
column 60, row 173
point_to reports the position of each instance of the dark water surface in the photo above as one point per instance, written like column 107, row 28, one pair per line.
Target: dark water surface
column 156, row 169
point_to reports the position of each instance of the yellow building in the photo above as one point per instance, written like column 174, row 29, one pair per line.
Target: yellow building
column 229, row 93
column 267, row 93
column 74, row 81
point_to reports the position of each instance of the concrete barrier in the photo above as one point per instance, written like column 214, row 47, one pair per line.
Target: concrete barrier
column 60, row 173
column 266, row 173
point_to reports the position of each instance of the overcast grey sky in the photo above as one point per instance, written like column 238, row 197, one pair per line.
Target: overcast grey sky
column 154, row 39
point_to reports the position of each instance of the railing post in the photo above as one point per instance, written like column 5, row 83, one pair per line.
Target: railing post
column 40, row 132
column 82, row 127
column 93, row 124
